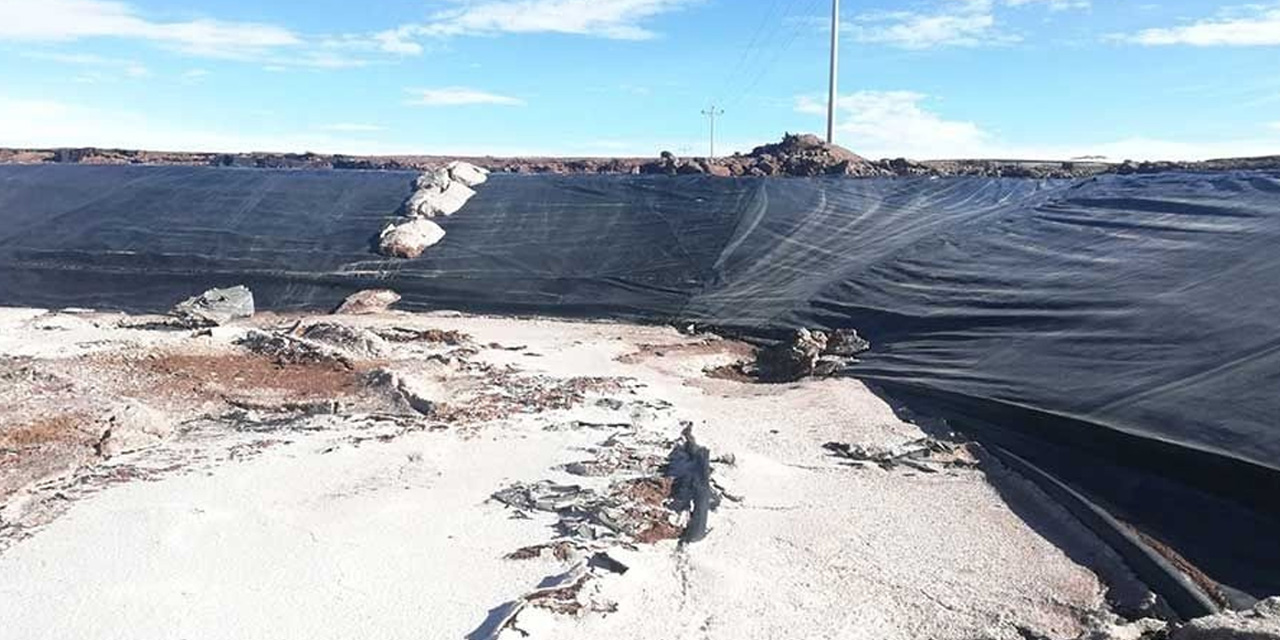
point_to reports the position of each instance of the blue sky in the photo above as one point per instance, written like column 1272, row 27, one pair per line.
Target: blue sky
column 921, row 78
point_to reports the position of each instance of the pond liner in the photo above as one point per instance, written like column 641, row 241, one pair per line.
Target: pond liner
column 1137, row 318
column 1218, row 514
column 1187, row 599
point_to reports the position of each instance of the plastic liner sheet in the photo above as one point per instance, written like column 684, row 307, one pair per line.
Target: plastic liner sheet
column 1122, row 332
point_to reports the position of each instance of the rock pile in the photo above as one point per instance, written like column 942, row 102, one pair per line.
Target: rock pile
column 440, row 192
column 795, row 155
column 808, row 353
column 801, row 155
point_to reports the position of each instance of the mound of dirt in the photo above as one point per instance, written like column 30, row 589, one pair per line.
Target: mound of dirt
column 796, row 155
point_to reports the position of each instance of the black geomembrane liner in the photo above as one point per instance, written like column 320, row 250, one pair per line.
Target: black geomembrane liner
column 1121, row 331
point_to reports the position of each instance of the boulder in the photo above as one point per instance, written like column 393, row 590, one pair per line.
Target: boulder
column 1262, row 622
column 435, row 179
column 409, row 239
column 412, row 392
column 467, row 173
column 367, row 302
column 215, row 307
column 792, row 359
column 438, row 201
column 131, row 426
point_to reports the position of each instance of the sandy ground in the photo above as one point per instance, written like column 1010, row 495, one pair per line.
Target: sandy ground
column 312, row 500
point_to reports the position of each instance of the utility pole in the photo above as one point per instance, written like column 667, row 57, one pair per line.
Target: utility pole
column 711, row 115
column 835, row 66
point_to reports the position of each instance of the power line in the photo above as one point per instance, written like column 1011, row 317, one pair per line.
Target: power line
column 763, row 70
column 765, row 20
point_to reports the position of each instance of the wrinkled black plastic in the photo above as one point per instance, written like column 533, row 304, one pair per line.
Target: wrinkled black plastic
column 1122, row 332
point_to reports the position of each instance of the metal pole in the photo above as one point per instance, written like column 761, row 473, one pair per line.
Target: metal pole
column 835, row 66
column 712, row 113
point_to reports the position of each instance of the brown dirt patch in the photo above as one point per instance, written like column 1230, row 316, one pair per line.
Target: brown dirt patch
column 1206, row 584
column 647, row 352
column 647, row 505
column 563, row 601
column 735, row 372
column 559, row 550
column 50, row 429
column 175, row 379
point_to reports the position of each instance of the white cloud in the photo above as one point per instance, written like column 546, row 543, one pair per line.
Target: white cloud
column 612, row 19
column 68, row 20
column 895, row 123
column 458, row 96
column 890, row 124
column 352, row 127
column 398, row 41
column 1053, row 5
column 102, row 64
column 1245, row 26
column 28, row 21
column 1275, row 125
column 951, row 23
column 923, row 31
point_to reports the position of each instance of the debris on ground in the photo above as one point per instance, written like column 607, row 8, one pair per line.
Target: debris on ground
column 1262, row 622
column 1113, row 627
column 409, row 239
column 613, row 456
column 560, row 550
column 689, row 465
column 564, row 593
column 361, row 343
column 285, row 349
column 215, row 307
column 509, row 391
column 928, row 454
column 369, row 301
column 652, row 501
column 629, row 511
column 451, row 337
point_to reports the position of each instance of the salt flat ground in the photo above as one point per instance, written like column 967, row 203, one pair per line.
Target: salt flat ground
column 364, row 523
